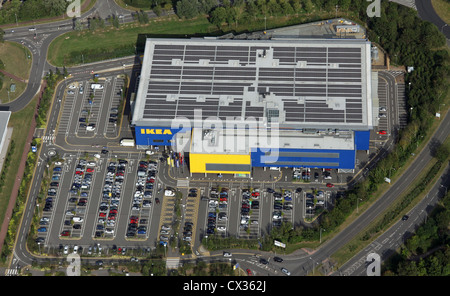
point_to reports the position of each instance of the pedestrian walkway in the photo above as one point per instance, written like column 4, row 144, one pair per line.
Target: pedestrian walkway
column 172, row 262
column 12, row 272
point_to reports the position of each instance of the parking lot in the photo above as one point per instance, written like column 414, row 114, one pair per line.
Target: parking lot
column 92, row 109
column 98, row 198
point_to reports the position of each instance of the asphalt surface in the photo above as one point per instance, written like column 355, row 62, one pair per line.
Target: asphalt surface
column 427, row 13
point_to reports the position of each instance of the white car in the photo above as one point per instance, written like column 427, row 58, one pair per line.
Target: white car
column 221, row 228
column 169, row 193
column 97, row 155
column 227, row 254
column 285, row 271
column 244, row 221
column 77, row 219
column 75, row 249
column 66, row 250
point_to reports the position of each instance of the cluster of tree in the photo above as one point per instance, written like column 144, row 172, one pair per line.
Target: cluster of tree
column 6, row 164
column 17, row 10
column 201, row 268
column 192, row 8
column 51, row 80
column 145, row 4
column 231, row 12
column 427, row 252
column 141, row 17
column 158, row 6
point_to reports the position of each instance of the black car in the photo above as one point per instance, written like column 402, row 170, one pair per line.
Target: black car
column 298, row 190
column 263, row 261
column 104, row 151
column 404, row 218
column 277, row 259
column 270, row 190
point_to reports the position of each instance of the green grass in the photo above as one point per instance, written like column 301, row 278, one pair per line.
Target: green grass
column 111, row 38
column 74, row 48
column 15, row 58
column 442, row 8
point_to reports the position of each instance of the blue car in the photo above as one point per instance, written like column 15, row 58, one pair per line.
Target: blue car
column 57, row 169
column 42, row 229
column 142, row 232
column 287, row 198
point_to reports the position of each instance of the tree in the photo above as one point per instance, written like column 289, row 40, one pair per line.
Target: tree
column 218, row 16
column 308, row 6
column 187, row 9
column 55, row 7
column 2, row 35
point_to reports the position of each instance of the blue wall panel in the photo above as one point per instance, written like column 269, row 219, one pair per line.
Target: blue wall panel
column 345, row 159
column 362, row 140
column 159, row 136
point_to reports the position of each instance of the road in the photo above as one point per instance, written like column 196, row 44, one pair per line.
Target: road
column 427, row 13
column 395, row 236
column 39, row 40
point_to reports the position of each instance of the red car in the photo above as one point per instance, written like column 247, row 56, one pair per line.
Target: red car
column 382, row 132
column 249, row 272
column 102, row 215
column 90, row 170
column 330, row 185
column 65, row 233
column 255, row 194
column 79, row 173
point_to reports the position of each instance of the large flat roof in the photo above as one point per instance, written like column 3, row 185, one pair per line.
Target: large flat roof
column 225, row 141
column 299, row 83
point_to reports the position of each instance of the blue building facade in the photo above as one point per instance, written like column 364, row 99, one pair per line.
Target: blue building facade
column 306, row 158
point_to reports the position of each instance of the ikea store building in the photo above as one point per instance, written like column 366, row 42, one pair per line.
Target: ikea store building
column 314, row 97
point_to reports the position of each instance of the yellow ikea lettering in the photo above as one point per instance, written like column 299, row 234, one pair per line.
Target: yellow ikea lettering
column 156, row 131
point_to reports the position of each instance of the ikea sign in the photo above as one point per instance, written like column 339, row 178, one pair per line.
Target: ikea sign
column 155, row 131
column 156, row 136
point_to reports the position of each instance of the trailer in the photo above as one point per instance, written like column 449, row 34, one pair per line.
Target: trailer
column 127, row 142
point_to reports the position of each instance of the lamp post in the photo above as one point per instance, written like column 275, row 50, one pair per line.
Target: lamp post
column 320, row 240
